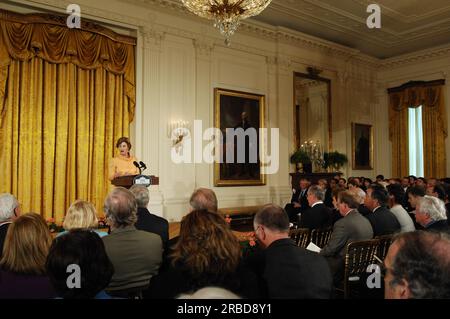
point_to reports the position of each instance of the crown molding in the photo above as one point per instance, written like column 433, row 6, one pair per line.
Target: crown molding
column 420, row 56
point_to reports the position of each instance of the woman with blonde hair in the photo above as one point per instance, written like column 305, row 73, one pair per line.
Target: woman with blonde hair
column 81, row 215
column 22, row 267
column 207, row 253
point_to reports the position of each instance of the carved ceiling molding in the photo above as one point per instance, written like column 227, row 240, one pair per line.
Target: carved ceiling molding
column 265, row 31
column 412, row 58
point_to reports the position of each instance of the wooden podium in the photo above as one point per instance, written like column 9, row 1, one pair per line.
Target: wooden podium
column 128, row 180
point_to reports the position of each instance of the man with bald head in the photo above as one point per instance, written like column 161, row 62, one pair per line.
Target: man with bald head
column 203, row 199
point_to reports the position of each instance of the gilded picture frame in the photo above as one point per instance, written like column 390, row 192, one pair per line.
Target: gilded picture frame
column 235, row 110
column 362, row 146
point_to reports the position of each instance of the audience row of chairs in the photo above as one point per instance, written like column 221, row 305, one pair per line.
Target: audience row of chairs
column 303, row 236
column 359, row 255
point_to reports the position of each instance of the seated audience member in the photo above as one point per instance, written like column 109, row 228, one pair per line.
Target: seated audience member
column 367, row 183
column 83, row 248
column 299, row 201
column 286, row 270
column 335, row 214
column 382, row 220
column 203, row 199
column 396, row 195
column 135, row 254
column 319, row 215
column 418, row 266
column 22, row 266
column 146, row 220
column 207, row 253
column 352, row 227
column 421, row 182
column 328, row 200
column 342, row 182
column 414, row 194
column 81, row 215
column 379, row 178
column 405, row 183
column 360, row 196
column 9, row 210
column 334, row 183
column 447, row 200
column 431, row 215
column 210, row 293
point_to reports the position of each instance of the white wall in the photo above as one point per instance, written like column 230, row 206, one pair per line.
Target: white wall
column 182, row 58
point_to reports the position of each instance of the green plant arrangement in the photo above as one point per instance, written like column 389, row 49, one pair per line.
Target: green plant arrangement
column 335, row 160
column 300, row 156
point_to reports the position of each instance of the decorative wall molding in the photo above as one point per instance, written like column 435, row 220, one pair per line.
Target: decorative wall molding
column 203, row 47
column 421, row 56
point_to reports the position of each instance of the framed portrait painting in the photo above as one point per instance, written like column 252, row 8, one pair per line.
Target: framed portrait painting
column 362, row 146
column 238, row 116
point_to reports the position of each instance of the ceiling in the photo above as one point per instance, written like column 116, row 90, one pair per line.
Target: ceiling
column 406, row 25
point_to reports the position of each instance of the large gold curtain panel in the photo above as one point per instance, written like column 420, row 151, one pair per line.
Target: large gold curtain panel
column 429, row 95
column 66, row 95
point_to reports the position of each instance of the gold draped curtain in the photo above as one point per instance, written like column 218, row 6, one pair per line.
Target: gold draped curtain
column 66, row 95
column 434, row 124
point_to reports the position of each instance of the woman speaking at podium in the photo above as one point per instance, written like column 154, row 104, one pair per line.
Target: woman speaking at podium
column 122, row 164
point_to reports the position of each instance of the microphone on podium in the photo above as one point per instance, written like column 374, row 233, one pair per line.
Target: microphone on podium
column 137, row 165
column 143, row 166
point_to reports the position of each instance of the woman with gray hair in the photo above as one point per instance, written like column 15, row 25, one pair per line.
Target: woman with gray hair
column 9, row 210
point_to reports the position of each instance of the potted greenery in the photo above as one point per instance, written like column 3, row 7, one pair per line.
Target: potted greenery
column 301, row 157
column 335, row 160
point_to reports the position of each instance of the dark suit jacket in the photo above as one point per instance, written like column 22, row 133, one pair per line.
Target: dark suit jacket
column 439, row 226
column 383, row 222
column 178, row 279
column 289, row 271
column 3, row 231
column 153, row 224
column 363, row 210
column 352, row 227
column 328, row 201
column 316, row 217
column 302, row 200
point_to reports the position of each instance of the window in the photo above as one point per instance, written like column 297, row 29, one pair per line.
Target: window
column 415, row 141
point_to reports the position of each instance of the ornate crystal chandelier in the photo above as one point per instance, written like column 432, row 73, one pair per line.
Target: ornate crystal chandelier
column 226, row 13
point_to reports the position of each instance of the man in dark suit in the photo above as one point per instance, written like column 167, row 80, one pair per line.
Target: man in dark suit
column 9, row 211
column 383, row 221
column 319, row 215
column 431, row 214
column 286, row 270
column 299, row 201
column 146, row 220
column 352, row 227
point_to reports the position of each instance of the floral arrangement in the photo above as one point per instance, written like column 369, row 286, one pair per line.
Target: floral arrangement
column 53, row 226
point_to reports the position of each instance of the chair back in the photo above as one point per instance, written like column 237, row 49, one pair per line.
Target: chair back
column 384, row 242
column 300, row 236
column 320, row 237
column 359, row 255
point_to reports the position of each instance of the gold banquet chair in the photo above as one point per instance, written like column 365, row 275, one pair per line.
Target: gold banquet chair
column 385, row 242
column 300, row 236
column 320, row 237
column 359, row 255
